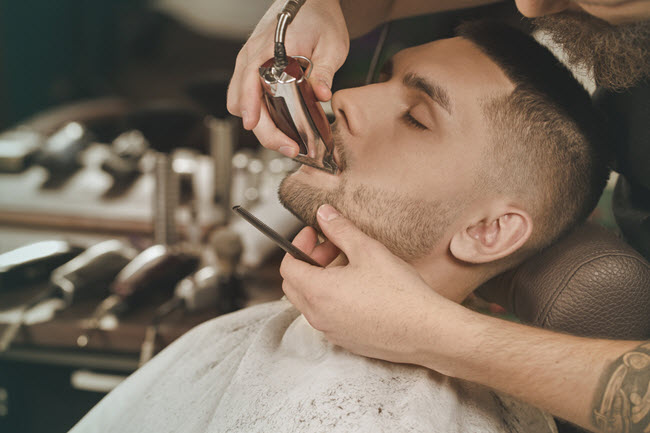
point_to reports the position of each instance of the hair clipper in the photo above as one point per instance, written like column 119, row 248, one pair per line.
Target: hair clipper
column 291, row 101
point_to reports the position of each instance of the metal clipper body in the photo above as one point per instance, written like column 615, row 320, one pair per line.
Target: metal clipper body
column 291, row 101
column 295, row 110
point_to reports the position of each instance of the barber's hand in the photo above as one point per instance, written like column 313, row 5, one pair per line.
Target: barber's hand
column 373, row 305
column 319, row 33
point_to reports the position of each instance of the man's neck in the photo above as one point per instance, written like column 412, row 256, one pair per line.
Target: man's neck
column 448, row 276
column 451, row 278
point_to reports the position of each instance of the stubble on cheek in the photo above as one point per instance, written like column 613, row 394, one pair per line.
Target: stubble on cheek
column 303, row 199
column 409, row 228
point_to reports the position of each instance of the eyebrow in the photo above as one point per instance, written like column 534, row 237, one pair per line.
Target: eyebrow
column 413, row 81
column 437, row 93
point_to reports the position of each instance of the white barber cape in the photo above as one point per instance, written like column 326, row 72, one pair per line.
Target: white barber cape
column 265, row 369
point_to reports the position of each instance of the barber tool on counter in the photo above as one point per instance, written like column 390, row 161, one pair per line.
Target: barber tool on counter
column 223, row 129
column 229, row 247
column 123, row 162
column 166, row 127
column 158, row 268
column 218, row 287
column 245, row 187
column 291, row 101
column 18, row 148
column 89, row 272
column 82, row 276
column 33, row 263
column 62, row 150
column 186, row 164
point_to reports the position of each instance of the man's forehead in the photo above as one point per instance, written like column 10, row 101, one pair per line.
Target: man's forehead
column 454, row 60
column 439, row 49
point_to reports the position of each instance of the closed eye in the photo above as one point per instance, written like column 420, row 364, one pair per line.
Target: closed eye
column 386, row 74
column 412, row 121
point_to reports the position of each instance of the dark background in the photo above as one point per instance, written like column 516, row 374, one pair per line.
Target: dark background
column 58, row 52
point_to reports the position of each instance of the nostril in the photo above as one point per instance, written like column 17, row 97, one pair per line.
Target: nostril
column 344, row 117
column 342, row 104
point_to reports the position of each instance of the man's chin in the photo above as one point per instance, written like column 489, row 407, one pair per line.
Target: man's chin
column 301, row 195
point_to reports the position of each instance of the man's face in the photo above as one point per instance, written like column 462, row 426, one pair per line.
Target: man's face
column 410, row 147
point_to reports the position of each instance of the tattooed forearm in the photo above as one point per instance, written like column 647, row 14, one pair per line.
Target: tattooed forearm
column 622, row 402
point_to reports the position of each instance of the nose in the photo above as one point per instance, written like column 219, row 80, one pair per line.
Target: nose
column 538, row 8
column 362, row 109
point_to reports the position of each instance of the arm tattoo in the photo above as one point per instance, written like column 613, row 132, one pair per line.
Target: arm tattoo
column 622, row 403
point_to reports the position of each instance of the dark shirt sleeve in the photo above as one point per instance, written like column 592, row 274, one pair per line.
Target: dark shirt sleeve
column 628, row 116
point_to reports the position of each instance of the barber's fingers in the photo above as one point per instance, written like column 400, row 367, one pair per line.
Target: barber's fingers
column 272, row 138
column 239, row 82
column 307, row 241
column 345, row 235
column 327, row 59
column 245, row 89
column 302, row 300
column 294, row 296
column 328, row 254
column 251, row 96
column 298, row 281
column 322, row 89
column 245, row 100
column 309, row 289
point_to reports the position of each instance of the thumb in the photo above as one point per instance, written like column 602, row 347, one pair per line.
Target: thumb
column 321, row 81
column 342, row 233
column 326, row 62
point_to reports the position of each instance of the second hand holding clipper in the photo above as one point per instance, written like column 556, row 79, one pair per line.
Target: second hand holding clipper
column 291, row 101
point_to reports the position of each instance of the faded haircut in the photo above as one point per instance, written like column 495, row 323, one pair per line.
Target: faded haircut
column 548, row 149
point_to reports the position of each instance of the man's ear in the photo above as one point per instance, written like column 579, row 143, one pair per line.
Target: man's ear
column 493, row 237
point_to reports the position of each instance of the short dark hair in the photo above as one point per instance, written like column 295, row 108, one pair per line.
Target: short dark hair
column 548, row 146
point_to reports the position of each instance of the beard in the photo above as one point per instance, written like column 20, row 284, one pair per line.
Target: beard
column 408, row 227
column 618, row 56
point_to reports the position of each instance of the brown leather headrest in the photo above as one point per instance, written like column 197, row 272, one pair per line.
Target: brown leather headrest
column 589, row 283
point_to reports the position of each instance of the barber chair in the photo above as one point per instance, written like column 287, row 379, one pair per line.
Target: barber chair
column 590, row 283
